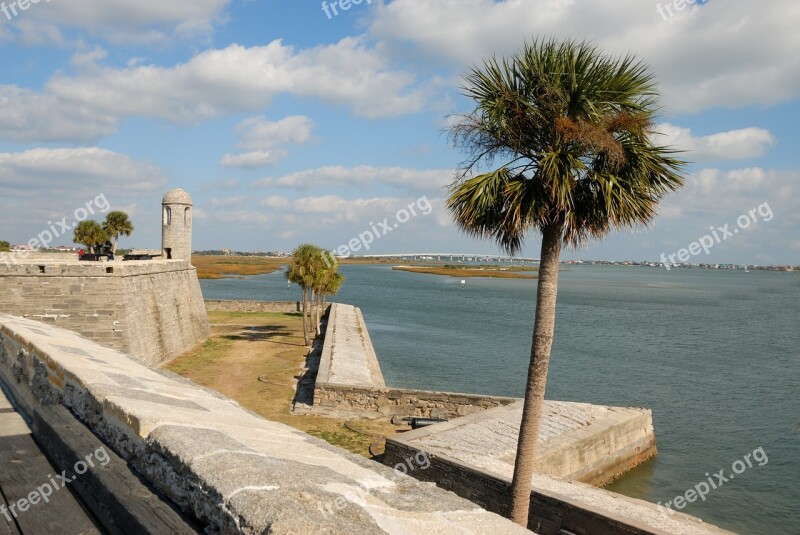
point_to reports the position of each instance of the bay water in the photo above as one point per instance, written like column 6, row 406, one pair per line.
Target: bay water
column 715, row 354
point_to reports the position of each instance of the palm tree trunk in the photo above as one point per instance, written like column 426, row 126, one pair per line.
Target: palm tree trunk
column 311, row 312
column 305, row 329
column 319, row 312
column 543, row 328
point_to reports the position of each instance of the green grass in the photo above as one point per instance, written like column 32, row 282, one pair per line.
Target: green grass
column 212, row 350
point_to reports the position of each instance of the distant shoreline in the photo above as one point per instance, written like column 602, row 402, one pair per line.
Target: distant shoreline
column 491, row 272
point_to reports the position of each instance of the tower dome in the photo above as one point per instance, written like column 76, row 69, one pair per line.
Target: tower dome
column 177, row 196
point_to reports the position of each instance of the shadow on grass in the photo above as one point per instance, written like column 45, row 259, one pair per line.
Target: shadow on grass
column 259, row 333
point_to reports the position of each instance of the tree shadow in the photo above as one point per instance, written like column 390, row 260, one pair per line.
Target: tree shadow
column 304, row 394
column 258, row 333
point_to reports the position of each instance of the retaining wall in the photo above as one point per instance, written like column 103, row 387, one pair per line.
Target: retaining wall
column 213, row 305
column 557, row 507
column 349, row 377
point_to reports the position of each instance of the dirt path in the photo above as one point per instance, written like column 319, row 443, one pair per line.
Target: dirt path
column 256, row 359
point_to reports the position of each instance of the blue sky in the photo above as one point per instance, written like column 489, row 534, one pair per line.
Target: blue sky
column 287, row 126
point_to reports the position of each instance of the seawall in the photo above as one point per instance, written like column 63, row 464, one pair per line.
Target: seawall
column 152, row 310
column 473, row 453
column 350, row 379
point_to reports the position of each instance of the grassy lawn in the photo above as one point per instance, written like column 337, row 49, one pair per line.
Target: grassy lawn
column 254, row 358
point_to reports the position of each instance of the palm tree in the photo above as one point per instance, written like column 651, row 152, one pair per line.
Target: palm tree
column 328, row 281
column 117, row 224
column 303, row 270
column 332, row 285
column 574, row 130
column 90, row 234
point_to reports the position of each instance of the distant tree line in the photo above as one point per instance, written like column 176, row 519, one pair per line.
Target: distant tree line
column 4, row 246
column 317, row 276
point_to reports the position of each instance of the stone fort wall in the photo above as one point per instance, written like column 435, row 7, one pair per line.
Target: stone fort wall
column 152, row 310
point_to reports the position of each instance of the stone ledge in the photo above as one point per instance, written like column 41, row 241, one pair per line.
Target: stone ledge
column 232, row 470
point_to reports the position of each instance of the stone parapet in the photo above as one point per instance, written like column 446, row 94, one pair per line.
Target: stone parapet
column 232, row 470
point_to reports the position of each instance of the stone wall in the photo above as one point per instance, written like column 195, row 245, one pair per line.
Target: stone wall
column 150, row 309
column 350, row 379
column 557, row 507
column 253, row 306
column 404, row 402
column 228, row 468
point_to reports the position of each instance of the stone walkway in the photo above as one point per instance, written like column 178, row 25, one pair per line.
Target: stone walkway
column 352, row 359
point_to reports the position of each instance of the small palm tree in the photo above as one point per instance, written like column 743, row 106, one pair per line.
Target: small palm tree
column 328, row 281
column 90, row 234
column 332, row 285
column 304, row 271
column 117, row 224
column 573, row 128
column 4, row 246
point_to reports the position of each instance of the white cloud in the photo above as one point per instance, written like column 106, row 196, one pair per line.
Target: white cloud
column 29, row 116
column 728, row 53
column 261, row 136
column 362, row 175
column 88, row 60
column 731, row 145
column 276, row 202
column 333, row 213
column 257, row 133
column 227, row 202
column 714, row 195
column 240, row 79
column 41, row 185
column 49, row 172
column 253, row 159
column 120, row 21
column 214, row 83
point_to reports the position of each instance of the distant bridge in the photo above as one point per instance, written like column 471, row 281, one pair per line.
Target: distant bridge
column 464, row 257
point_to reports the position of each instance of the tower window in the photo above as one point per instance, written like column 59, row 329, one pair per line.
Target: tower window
column 167, row 215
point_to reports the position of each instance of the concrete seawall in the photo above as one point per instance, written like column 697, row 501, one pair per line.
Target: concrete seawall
column 232, row 470
column 350, row 378
column 577, row 441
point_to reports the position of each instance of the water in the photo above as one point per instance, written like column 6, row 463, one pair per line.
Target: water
column 714, row 354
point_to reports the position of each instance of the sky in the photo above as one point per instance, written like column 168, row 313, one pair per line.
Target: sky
column 289, row 121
